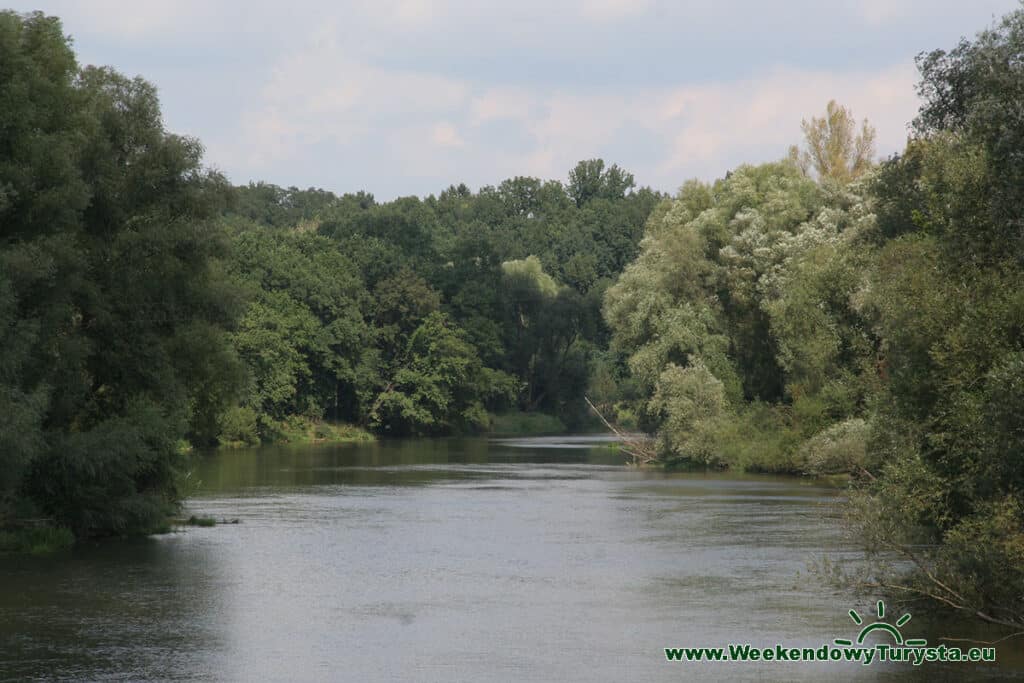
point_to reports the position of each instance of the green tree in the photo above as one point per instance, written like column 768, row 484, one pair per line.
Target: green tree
column 752, row 281
column 303, row 338
column 438, row 384
column 945, row 298
column 591, row 180
column 113, row 293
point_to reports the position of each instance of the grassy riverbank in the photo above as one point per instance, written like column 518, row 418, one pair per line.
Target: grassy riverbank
column 296, row 429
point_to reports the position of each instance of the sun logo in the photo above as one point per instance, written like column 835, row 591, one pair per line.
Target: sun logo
column 880, row 625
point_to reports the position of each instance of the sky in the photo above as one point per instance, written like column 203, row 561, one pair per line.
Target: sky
column 402, row 97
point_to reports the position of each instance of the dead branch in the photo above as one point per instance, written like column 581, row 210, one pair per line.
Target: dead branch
column 637, row 448
column 982, row 642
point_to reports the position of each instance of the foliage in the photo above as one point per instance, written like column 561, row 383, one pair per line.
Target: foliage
column 340, row 289
column 946, row 299
column 113, row 300
column 692, row 401
column 238, row 427
column 869, row 321
column 300, row 429
column 752, row 281
column 838, row 449
column 438, row 383
column 759, row 437
column 36, row 540
column 835, row 150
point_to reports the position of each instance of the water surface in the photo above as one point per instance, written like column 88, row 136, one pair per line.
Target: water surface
column 462, row 560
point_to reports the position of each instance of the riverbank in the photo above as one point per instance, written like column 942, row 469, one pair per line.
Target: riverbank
column 302, row 430
column 297, row 429
column 35, row 540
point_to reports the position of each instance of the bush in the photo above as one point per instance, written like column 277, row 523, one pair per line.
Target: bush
column 839, row 449
column 626, row 416
column 693, row 403
column 299, row 429
column 238, row 427
column 758, row 438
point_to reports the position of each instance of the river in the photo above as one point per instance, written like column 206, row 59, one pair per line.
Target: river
column 539, row 559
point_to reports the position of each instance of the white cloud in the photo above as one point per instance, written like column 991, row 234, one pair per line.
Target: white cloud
column 611, row 10
column 496, row 104
column 714, row 124
column 320, row 100
column 878, row 12
column 137, row 19
column 321, row 95
column 445, row 135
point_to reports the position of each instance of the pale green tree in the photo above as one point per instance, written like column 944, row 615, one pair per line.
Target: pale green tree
column 835, row 148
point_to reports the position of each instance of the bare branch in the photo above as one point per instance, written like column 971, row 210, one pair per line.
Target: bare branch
column 638, row 448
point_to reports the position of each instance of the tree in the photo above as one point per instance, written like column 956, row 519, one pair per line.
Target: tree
column 438, row 384
column 303, row 337
column 590, row 180
column 400, row 304
column 746, row 286
column 945, row 298
column 834, row 148
column 113, row 294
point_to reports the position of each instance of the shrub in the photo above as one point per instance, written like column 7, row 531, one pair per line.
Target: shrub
column 841, row 448
column 238, row 427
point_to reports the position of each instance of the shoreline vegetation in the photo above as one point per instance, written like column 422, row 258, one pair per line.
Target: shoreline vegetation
column 296, row 429
column 825, row 314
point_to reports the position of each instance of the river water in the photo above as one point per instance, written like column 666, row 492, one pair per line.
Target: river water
column 539, row 559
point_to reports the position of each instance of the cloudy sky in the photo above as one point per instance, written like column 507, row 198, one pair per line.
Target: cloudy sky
column 401, row 97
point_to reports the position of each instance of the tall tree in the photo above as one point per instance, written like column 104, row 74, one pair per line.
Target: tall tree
column 112, row 292
column 835, row 149
column 946, row 299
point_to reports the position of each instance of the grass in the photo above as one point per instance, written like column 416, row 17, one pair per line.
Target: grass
column 305, row 430
column 39, row 540
column 519, row 423
column 297, row 429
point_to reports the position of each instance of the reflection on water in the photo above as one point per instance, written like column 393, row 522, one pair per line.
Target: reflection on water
column 511, row 559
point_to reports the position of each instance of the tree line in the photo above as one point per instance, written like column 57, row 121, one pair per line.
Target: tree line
column 820, row 314
column 426, row 316
column 148, row 306
column 826, row 315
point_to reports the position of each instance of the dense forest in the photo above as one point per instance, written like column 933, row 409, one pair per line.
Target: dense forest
column 823, row 314
column 149, row 306
column 426, row 316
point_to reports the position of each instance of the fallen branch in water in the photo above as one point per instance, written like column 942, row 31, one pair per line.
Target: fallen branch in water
column 982, row 642
column 639, row 448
